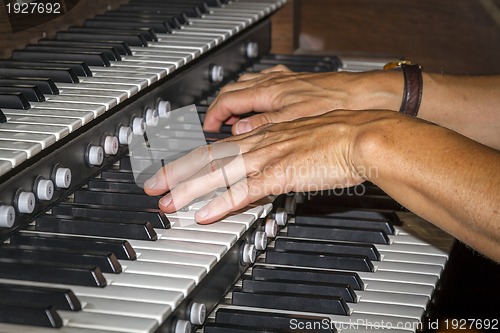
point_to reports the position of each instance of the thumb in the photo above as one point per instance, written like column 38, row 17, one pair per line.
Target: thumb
column 248, row 124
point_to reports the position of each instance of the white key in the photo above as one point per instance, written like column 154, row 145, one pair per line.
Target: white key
column 189, row 54
column 387, row 309
column 388, row 266
column 223, row 227
column 118, row 96
column 14, row 157
column 125, row 279
column 100, row 321
column 389, row 276
column 177, row 62
column 108, row 103
column 71, row 123
column 14, row 328
column 176, row 38
column 58, row 131
column 44, row 140
column 158, row 312
column 29, row 148
column 398, row 287
column 413, row 258
column 82, row 116
column 129, row 63
column 219, row 37
column 411, row 249
column 104, row 77
column 392, row 298
column 195, row 273
column 5, row 166
column 197, row 236
column 186, row 46
column 180, row 246
column 203, row 260
column 130, row 90
column 47, row 105
column 155, row 52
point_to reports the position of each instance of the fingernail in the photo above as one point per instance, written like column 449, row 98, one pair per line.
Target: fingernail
column 243, row 126
column 151, row 182
column 166, row 200
column 201, row 214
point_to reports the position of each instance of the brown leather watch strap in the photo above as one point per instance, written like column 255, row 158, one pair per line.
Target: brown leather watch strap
column 413, row 88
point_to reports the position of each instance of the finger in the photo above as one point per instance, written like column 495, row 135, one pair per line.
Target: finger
column 185, row 167
column 277, row 68
column 288, row 113
column 221, row 173
column 238, row 102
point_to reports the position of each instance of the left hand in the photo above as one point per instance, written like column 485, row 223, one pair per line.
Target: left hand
column 306, row 154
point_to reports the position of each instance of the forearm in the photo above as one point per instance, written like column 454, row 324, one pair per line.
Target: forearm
column 441, row 176
column 467, row 105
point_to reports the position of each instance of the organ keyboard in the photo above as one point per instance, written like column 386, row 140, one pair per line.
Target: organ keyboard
column 85, row 250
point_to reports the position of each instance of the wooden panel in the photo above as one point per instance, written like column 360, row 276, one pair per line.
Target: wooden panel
column 285, row 34
column 453, row 36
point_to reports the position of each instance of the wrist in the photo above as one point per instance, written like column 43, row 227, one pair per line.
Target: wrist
column 380, row 90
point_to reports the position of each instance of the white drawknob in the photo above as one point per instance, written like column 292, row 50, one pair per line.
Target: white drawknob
column 182, row 326
column 271, row 228
column 198, row 313
column 260, row 240
column 7, row 216
column 45, row 189
column 163, row 107
column 281, row 216
column 252, row 50
column 151, row 117
column 62, row 177
column 216, row 73
column 138, row 126
column 249, row 254
column 96, row 155
column 111, row 145
column 26, row 202
column 290, row 204
column 124, row 135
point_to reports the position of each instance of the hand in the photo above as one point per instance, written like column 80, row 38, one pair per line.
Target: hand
column 282, row 95
column 307, row 154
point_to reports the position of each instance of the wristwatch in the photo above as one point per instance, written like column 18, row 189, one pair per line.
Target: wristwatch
column 413, row 85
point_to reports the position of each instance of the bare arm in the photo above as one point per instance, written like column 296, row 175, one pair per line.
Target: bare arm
column 467, row 105
column 444, row 177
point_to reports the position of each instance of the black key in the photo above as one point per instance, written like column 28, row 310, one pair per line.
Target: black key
column 272, row 320
column 153, row 216
column 363, row 235
column 121, row 47
column 130, row 187
column 131, row 39
column 167, row 20
column 116, row 198
column 332, row 221
column 300, row 274
column 120, row 248
column 78, row 67
column 14, row 100
column 162, row 13
column 145, row 33
column 308, row 245
column 320, row 260
column 29, row 315
column 58, row 74
column 106, row 261
column 158, row 25
column 106, row 23
column 118, row 175
column 109, row 52
column 96, row 227
column 309, row 208
column 90, row 276
column 90, row 58
column 299, row 288
column 61, row 299
column 31, row 92
column 46, row 86
column 3, row 118
column 318, row 304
